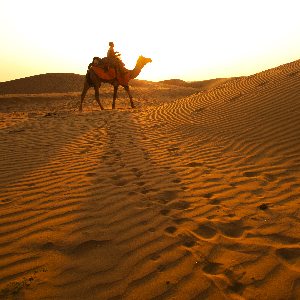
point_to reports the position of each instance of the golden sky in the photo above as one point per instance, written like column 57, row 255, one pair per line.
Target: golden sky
column 186, row 39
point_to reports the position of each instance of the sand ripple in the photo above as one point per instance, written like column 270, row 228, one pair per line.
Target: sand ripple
column 196, row 198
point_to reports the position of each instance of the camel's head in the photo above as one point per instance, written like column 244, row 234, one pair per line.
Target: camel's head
column 143, row 60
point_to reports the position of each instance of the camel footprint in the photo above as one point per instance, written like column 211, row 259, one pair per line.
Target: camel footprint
column 232, row 229
column 171, row 229
column 138, row 172
column 88, row 245
column 291, row 255
column 252, row 174
column 179, row 205
column 205, row 231
column 118, row 180
column 188, row 241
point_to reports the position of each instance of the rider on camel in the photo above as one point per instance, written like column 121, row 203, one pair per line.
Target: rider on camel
column 111, row 53
column 114, row 58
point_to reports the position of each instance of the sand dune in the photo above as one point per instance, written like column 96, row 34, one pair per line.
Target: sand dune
column 67, row 83
column 195, row 198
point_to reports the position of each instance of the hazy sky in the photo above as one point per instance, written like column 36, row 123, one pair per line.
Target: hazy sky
column 186, row 39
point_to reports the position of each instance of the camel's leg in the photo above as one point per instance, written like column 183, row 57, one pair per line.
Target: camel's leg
column 115, row 96
column 85, row 89
column 130, row 96
column 97, row 87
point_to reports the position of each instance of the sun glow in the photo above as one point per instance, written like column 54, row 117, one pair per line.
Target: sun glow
column 190, row 40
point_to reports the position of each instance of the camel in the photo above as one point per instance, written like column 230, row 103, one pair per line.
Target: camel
column 92, row 79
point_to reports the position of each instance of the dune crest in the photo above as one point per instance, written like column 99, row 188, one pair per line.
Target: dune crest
column 195, row 198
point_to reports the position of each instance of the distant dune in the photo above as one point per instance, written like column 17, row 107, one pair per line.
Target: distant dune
column 69, row 82
column 203, row 85
column 195, row 194
column 44, row 83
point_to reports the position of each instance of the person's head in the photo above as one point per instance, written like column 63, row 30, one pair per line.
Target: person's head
column 111, row 44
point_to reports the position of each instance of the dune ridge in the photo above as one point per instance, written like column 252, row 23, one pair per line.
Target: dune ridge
column 195, row 198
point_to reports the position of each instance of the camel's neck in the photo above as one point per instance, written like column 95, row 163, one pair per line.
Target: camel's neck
column 136, row 71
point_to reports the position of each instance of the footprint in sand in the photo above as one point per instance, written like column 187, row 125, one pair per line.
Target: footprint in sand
column 208, row 195
column 145, row 192
column 164, row 212
column 161, row 269
column 291, row 255
column 5, row 201
column 179, row 205
column 258, row 192
column 121, row 182
column 165, row 196
column 206, row 231
column 132, row 193
column 99, row 180
column 181, row 221
column 117, row 152
column 236, row 287
column 171, row 229
column 252, row 174
column 48, row 246
column 117, row 177
column 232, row 229
column 194, row 164
column 91, row 174
column 146, row 154
column 86, row 149
column 213, row 201
column 188, row 241
column 82, row 152
column 88, row 245
column 155, row 257
column 270, row 177
column 176, row 180
column 137, row 172
column 211, row 268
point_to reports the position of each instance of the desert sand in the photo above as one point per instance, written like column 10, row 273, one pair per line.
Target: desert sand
column 195, row 194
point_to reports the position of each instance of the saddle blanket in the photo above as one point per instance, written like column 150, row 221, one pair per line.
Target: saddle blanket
column 111, row 75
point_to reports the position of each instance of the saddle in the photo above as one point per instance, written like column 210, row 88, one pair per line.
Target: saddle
column 105, row 63
column 110, row 74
